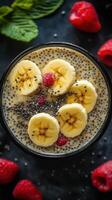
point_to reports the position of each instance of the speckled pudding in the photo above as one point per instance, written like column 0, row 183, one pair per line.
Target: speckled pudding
column 17, row 110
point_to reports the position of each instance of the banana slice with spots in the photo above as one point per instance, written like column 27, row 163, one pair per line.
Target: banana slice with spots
column 72, row 119
column 43, row 129
column 64, row 76
column 25, row 77
column 83, row 92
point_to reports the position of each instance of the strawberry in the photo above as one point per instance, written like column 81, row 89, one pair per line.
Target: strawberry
column 84, row 17
column 48, row 79
column 26, row 190
column 102, row 177
column 105, row 53
column 8, row 171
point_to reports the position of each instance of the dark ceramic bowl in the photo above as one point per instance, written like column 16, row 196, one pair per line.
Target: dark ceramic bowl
column 72, row 52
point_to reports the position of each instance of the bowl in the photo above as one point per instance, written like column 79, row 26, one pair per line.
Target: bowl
column 86, row 68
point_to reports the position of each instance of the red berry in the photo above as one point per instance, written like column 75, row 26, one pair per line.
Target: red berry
column 102, row 177
column 26, row 190
column 41, row 100
column 105, row 53
column 48, row 79
column 62, row 140
column 84, row 17
column 8, row 171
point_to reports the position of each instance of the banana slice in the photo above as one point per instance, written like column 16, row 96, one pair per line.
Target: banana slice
column 83, row 92
column 25, row 77
column 64, row 75
column 72, row 119
column 43, row 129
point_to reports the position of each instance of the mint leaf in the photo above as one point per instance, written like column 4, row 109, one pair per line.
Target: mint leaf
column 5, row 10
column 20, row 27
column 23, row 4
column 42, row 8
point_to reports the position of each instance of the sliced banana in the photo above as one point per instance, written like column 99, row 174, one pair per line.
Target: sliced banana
column 72, row 119
column 64, row 76
column 25, row 77
column 43, row 129
column 83, row 92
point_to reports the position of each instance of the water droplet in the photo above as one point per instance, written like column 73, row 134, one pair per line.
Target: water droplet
column 26, row 164
column 59, row 198
column 7, row 147
column 104, row 158
column 92, row 161
column 63, row 12
column 52, row 173
column 99, row 153
column 93, row 153
column 87, row 188
column 86, row 175
column 16, row 159
column 55, row 35
column 82, row 190
column 105, row 139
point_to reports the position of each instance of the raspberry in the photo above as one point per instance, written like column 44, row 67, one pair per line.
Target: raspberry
column 62, row 140
column 41, row 100
column 102, row 177
column 26, row 190
column 8, row 171
column 84, row 17
column 48, row 79
column 105, row 53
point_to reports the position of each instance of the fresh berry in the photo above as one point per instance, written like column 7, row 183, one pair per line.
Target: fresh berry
column 84, row 17
column 62, row 140
column 26, row 190
column 41, row 100
column 8, row 171
column 48, row 79
column 105, row 53
column 102, row 177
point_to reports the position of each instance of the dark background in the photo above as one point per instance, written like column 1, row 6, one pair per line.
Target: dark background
column 59, row 179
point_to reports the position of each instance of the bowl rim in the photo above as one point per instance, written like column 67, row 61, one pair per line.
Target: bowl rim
column 102, row 70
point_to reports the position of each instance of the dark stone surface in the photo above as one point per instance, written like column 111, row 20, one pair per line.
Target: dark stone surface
column 58, row 179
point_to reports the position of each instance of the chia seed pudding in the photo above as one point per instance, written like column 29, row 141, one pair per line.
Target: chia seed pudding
column 18, row 110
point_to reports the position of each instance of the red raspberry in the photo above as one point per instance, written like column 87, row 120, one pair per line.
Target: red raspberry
column 48, row 79
column 8, row 171
column 84, row 17
column 102, row 177
column 105, row 53
column 41, row 100
column 26, row 190
column 62, row 140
